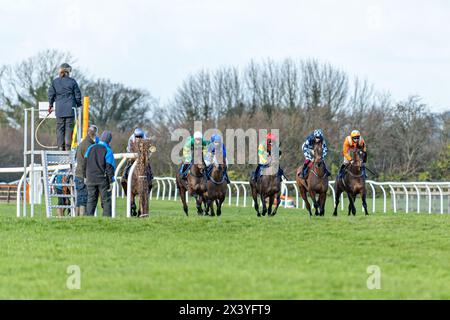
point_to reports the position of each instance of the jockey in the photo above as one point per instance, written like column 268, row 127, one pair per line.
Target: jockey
column 264, row 153
column 217, row 152
column 353, row 142
column 138, row 133
column 308, row 148
column 192, row 142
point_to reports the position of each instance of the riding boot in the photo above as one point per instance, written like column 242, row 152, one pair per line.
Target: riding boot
column 257, row 172
column 304, row 170
column 328, row 173
column 183, row 171
column 227, row 179
column 341, row 171
column 364, row 171
column 127, row 170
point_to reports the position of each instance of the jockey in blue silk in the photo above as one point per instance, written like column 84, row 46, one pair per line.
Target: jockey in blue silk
column 216, row 152
column 308, row 148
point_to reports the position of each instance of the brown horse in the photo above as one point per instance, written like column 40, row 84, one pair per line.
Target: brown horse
column 267, row 186
column 142, row 177
column 353, row 183
column 195, row 183
column 216, row 189
column 316, row 183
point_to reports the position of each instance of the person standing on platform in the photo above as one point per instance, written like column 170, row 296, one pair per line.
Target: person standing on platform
column 63, row 95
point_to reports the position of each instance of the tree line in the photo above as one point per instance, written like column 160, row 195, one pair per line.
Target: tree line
column 405, row 140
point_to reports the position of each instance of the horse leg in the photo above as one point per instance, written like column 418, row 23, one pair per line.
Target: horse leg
column 219, row 206
column 264, row 205
column 364, row 201
column 199, row 201
column 354, row 206
column 207, row 207
column 143, row 203
column 322, row 201
column 255, row 200
column 351, row 200
column 183, row 200
column 336, row 200
column 213, row 214
column 134, row 211
column 271, row 200
column 316, row 204
column 277, row 196
column 305, row 198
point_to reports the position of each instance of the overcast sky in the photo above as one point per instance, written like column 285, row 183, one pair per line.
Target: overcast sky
column 402, row 46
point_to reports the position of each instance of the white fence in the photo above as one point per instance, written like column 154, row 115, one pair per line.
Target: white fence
column 420, row 197
column 239, row 194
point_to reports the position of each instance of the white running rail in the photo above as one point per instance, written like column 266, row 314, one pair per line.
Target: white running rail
column 419, row 197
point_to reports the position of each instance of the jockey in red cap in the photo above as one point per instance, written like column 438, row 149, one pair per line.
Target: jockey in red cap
column 264, row 152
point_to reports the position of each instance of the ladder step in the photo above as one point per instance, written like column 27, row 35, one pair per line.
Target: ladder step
column 64, row 174
column 62, row 196
column 62, row 207
column 61, row 185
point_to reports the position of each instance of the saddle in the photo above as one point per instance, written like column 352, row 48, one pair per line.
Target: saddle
column 257, row 175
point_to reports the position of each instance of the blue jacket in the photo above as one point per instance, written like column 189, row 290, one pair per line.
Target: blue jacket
column 211, row 152
column 66, row 94
column 308, row 146
column 100, row 164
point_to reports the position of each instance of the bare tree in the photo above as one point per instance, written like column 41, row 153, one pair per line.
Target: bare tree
column 26, row 83
column 115, row 106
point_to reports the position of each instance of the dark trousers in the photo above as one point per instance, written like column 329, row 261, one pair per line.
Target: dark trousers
column 82, row 192
column 94, row 190
column 64, row 131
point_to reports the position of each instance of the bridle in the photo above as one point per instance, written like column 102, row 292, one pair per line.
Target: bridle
column 210, row 177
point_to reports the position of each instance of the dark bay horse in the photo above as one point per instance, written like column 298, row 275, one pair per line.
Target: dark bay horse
column 316, row 183
column 216, row 188
column 142, row 177
column 267, row 186
column 353, row 183
column 195, row 183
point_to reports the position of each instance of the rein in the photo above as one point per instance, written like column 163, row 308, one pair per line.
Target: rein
column 210, row 177
column 315, row 173
column 352, row 174
column 193, row 175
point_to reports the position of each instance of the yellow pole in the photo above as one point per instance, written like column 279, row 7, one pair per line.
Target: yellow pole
column 85, row 116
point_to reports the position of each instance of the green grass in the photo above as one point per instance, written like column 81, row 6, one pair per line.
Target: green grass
column 237, row 256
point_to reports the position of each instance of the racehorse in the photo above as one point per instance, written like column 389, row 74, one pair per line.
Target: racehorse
column 195, row 182
column 267, row 186
column 316, row 182
column 354, row 183
column 216, row 188
column 142, row 177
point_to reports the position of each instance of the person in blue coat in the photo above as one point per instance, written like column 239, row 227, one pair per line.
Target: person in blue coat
column 99, row 172
column 64, row 94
